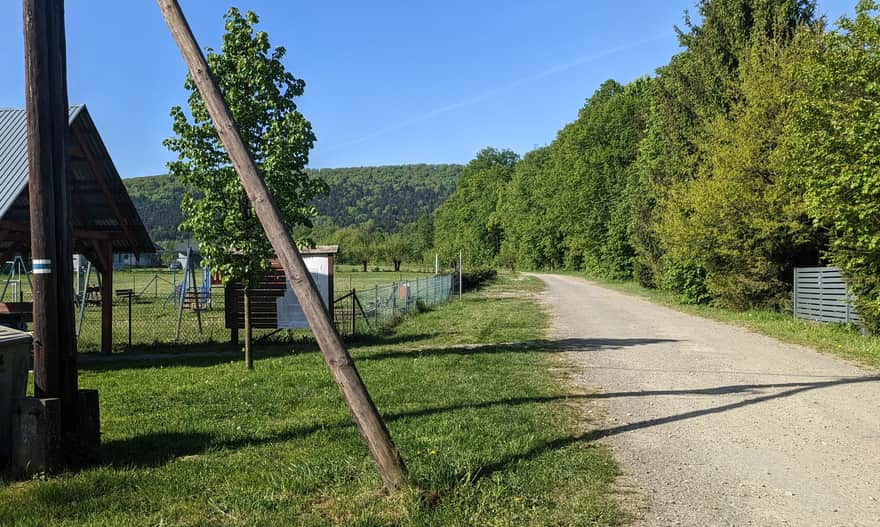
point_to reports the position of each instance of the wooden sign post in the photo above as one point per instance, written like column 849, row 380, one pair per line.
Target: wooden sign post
column 339, row 362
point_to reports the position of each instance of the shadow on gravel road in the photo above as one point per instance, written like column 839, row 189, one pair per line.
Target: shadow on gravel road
column 595, row 435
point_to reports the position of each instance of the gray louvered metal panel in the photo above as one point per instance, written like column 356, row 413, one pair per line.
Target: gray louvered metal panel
column 820, row 294
column 14, row 154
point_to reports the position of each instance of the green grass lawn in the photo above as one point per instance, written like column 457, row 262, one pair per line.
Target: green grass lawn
column 837, row 339
column 349, row 277
column 489, row 434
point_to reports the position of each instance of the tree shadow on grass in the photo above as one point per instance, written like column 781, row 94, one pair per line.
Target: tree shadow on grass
column 158, row 448
column 210, row 354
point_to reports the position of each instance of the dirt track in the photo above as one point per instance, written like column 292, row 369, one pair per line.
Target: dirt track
column 721, row 426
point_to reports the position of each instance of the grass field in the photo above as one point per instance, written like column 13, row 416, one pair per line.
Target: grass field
column 838, row 339
column 489, row 432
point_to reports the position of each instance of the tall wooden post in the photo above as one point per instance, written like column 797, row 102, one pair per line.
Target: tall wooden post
column 55, row 368
column 371, row 426
column 106, row 249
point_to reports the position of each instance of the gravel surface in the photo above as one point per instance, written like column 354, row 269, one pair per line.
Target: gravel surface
column 718, row 425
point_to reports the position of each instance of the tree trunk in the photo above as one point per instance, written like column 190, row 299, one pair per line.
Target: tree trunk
column 248, row 352
column 365, row 265
column 396, row 266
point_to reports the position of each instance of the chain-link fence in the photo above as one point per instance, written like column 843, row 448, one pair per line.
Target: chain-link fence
column 163, row 304
column 373, row 309
column 173, row 304
column 177, row 303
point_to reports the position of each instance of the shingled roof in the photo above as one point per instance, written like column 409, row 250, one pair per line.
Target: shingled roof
column 101, row 209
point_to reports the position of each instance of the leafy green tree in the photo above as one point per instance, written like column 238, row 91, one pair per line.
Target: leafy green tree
column 357, row 244
column 590, row 170
column 463, row 222
column 260, row 94
column 420, row 237
column 743, row 219
column 832, row 144
column 396, row 249
column 698, row 85
column 531, row 239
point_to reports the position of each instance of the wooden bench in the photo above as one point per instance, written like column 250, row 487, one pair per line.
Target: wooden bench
column 16, row 314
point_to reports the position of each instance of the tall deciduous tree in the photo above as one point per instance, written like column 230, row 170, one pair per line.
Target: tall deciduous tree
column 742, row 219
column 698, row 85
column 464, row 221
column 833, row 145
column 260, row 93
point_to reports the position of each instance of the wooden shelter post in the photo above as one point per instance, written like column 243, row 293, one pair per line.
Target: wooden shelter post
column 55, row 367
column 338, row 361
column 105, row 256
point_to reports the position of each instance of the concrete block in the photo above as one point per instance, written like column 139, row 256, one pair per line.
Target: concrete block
column 36, row 436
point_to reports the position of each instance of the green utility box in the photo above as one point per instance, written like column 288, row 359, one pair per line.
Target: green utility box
column 15, row 361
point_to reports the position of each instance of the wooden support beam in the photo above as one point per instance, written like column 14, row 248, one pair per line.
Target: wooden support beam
column 101, row 177
column 364, row 412
column 10, row 227
column 105, row 250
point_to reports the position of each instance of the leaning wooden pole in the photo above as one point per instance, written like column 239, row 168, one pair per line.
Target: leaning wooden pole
column 339, row 362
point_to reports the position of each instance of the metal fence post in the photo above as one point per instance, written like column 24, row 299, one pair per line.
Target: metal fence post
column 353, row 314
column 130, row 295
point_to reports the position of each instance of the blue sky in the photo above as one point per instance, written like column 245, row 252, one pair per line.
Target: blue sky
column 387, row 82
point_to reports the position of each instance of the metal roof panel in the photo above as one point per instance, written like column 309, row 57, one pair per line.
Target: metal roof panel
column 14, row 154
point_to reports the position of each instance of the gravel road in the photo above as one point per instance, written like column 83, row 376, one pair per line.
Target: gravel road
column 718, row 425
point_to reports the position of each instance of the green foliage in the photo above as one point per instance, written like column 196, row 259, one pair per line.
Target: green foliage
column 741, row 221
column 388, row 197
column 833, row 146
column 531, row 241
column 157, row 200
column 700, row 85
column 260, row 94
column 571, row 203
column 396, row 248
column 463, row 222
column 357, row 245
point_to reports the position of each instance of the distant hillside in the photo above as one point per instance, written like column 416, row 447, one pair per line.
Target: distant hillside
column 389, row 196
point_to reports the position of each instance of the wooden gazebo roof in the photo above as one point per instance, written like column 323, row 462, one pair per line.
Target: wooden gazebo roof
column 102, row 212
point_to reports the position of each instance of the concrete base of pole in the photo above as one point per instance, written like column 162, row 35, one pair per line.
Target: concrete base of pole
column 38, row 441
column 36, row 437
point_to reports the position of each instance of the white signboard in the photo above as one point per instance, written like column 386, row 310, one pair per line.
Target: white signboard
column 290, row 314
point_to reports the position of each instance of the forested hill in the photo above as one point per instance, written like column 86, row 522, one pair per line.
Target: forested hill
column 387, row 197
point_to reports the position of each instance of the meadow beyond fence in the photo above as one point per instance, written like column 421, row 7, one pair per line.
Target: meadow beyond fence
column 374, row 308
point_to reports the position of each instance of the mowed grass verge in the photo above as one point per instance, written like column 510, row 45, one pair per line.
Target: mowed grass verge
column 487, row 431
column 836, row 339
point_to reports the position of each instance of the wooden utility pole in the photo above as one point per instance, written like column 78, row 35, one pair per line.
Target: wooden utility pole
column 338, row 361
column 55, row 368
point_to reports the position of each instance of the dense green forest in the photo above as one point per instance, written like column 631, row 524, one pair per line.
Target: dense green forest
column 756, row 149
column 384, row 199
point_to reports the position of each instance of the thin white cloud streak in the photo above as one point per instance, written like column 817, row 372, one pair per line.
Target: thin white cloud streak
column 496, row 91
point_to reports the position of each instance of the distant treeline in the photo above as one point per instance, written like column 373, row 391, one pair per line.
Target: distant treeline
column 756, row 149
column 385, row 198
